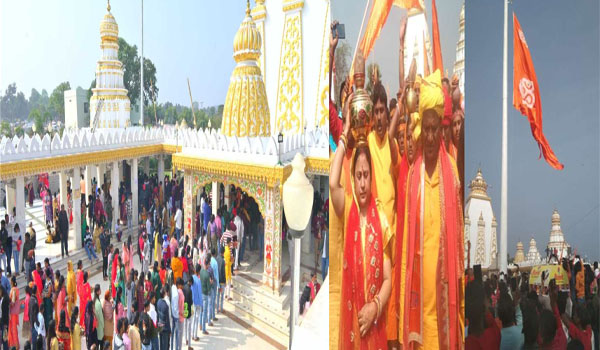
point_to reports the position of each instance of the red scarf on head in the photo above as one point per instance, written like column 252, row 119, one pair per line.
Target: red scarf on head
column 354, row 280
column 450, row 259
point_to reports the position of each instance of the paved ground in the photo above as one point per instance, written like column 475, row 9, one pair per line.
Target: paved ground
column 228, row 332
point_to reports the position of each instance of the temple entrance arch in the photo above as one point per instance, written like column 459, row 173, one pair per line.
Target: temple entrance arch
column 267, row 196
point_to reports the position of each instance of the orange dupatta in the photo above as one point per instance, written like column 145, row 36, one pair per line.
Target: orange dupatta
column 394, row 300
column 450, row 259
column 354, row 281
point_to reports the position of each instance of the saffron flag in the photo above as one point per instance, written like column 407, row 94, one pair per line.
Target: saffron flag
column 437, row 47
column 526, row 93
column 379, row 14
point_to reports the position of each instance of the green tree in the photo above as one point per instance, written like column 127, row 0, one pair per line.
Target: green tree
column 343, row 60
column 34, row 99
column 57, row 101
column 19, row 131
column 13, row 104
column 5, row 129
column 90, row 92
column 128, row 55
column 370, row 75
column 38, row 119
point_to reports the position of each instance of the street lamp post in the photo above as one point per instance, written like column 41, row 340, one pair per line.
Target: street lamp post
column 297, row 204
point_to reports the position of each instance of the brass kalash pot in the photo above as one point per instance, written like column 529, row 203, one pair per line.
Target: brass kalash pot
column 411, row 102
column 361, row 108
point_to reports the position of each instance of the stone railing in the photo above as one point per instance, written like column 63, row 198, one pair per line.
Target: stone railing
column 208, row 143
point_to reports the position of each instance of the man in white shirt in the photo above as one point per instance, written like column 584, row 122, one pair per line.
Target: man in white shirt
column 239, row 224
column 178, row 222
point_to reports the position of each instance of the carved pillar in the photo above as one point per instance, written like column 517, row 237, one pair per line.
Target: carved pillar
column 88, row 181
column 114, row 191
column 215, row 197
column 134, row 192
column 20, row 203
column 161, row 167
column 227, row 200
column 290, row 116
column 62, row 175
column 10, row 197
column 77, row 206
column 494, row 249
column 147, row 165
column 480, row 257
column 272, row 261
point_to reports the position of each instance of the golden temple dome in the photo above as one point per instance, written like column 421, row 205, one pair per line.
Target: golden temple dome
column 478, row 184
column 109, row 29
column 246, row 110
column 247, row 40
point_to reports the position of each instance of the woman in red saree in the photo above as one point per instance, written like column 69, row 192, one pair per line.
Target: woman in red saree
column 127, row 257
column 14, row 309
column 366, row 275
column 61, row 300
column 85, row 295
column 64, row 333
column 113, row 275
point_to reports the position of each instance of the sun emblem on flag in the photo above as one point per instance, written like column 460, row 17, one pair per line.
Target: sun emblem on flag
column 522, row 37
column 526, row 90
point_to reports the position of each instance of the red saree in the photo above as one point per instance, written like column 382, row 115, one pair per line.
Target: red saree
column 113, row 275
column 358, row 289
column 85, row 295
column 450, row 259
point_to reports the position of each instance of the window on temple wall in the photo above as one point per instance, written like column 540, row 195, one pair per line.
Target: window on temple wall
column 86, row 107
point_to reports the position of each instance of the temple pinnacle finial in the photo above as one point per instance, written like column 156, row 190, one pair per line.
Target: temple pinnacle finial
column 108, row 6
column 247, row 7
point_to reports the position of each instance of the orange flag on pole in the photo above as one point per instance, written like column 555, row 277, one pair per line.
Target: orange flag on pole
column 379, row 14
column 526, row 93
column 438, row 63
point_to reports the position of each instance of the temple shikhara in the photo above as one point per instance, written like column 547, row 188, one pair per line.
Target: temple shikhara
column 480, row 225
column 109, row 104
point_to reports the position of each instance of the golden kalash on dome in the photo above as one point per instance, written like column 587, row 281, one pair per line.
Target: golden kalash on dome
column 246, row 110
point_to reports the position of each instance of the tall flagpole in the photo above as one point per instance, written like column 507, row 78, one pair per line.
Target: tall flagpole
column 142, row 72
column 504, row 192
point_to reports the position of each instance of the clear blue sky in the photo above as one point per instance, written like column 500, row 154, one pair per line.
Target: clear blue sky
column 47, row 42
column 563, row 38
column 385, row 51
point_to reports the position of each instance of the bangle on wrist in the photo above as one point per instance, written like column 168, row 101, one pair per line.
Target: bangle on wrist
column 344, row 139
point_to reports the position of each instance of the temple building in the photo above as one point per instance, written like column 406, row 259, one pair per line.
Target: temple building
column 417, row 43
column 109, row 96
column 519, row 255
column 533, row 255
column 480, row 225
column 459, row 63
column 557, row 244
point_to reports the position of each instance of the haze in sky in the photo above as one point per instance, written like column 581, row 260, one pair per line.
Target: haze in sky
column 385, row 51
column 564, row 43
column 44, row 43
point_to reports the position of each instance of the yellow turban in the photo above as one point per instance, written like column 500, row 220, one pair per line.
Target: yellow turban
column 431, row 95
column 415, row 121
